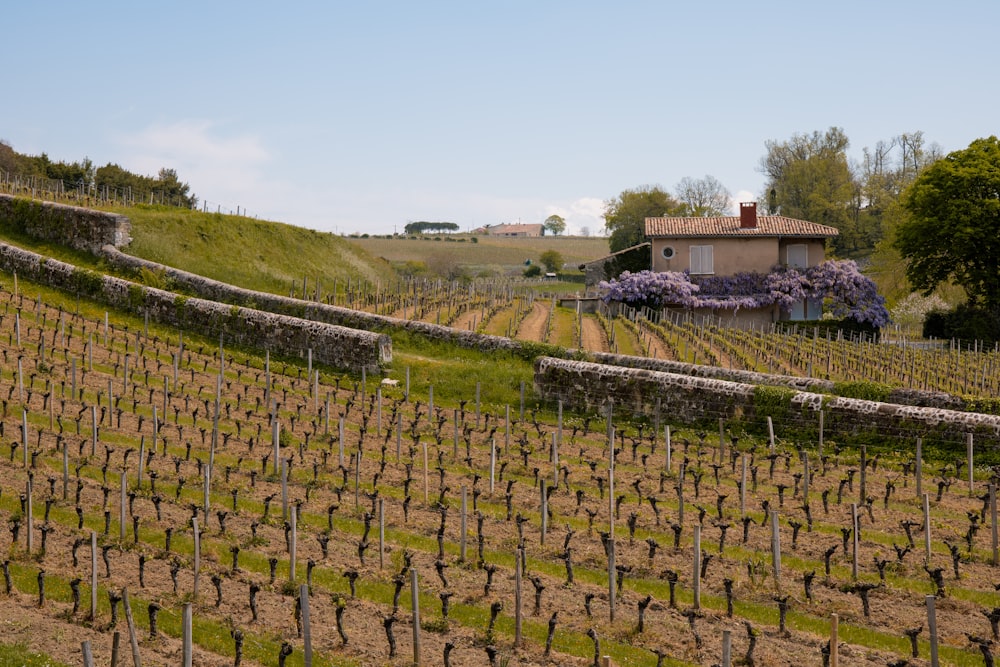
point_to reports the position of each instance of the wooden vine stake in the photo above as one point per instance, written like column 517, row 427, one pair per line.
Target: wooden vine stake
column 381, row 533
column 834, row 640
column 197, row 554
column 493, row 465
column 415, row 601
column 611, row 519
column 776, row 550
column 855, row 525
column 93, row 577
column 727, row 648
column 132, row 636
column 426, row 496
column 30, row 517
column 696, row 573
column 292, row 544
column 927, row 529
column 186, row 636
column 995, row 542
column 88, row 657
column 306, row 632
column 968, row 462
column 918, row 468
column 517, row 599
column 666, row 441
column 932, row 629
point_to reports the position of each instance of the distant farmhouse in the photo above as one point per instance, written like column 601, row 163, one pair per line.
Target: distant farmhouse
column 528, row 231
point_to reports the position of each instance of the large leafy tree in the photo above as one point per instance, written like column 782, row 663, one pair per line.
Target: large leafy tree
column 555, row 224
column 809, row 177
column 953, row 229
column 703, row 197
column 625, row 215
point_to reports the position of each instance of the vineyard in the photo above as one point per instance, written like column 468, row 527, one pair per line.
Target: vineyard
column 509, row 309
column 304, row 516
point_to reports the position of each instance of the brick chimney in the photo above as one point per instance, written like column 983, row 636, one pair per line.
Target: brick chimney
column 748, row 215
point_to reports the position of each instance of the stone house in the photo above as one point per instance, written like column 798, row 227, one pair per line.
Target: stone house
column 724, row 246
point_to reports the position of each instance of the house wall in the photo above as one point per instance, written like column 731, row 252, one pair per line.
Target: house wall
column 732, row 255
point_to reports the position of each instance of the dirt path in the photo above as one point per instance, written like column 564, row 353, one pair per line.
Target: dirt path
column 657, row 348
column 594, row 339
column 466, row 319
column 533, row 325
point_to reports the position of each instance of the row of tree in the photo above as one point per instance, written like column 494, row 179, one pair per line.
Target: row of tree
column 87, row 178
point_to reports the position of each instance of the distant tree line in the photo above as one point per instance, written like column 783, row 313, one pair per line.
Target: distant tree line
column 83, row 176
column 422, row 226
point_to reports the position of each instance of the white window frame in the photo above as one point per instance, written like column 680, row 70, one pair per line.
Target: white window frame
column 702, row 260
column 805, row 252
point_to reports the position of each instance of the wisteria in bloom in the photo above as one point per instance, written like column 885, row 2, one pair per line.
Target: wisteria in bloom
column 650, row 288
column 852, row 295
column 849, row 293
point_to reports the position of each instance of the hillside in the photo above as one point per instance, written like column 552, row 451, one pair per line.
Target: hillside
column 262, row 255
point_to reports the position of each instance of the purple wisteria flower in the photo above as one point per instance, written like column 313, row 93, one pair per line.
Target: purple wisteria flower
column 848, row 293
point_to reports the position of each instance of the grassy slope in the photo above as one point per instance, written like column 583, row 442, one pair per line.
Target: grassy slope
column 267, row 256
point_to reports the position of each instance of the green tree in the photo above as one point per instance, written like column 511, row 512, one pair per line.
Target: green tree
column 551, row 259
column 703, row 197
column 174, row 191
column 953, row 229
column 809, row 177
column 8, row 158
column 625, row 215
column 421, row 226
column 555, row 224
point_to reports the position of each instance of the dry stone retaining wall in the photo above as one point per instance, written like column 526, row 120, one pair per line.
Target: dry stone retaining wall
column 689, row 399
column 76, row 227
column 935, row 399
column 310, row 310
column 337, row 346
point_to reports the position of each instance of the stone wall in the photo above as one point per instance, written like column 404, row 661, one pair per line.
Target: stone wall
column 337, row 346
column 917, row 397
column 80, row 228
column 310, row 310
column 690, row 399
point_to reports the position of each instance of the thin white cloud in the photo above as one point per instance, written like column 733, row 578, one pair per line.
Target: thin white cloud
column 222, row 169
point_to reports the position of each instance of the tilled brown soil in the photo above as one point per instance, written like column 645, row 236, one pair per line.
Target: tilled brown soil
column 334, row 511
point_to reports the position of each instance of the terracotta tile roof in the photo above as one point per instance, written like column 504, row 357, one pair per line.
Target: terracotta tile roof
column 767, row 225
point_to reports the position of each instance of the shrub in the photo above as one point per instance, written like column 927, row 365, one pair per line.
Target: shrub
column 863, row 389
column 965, row 322
column 533, row 271
column 771, row 401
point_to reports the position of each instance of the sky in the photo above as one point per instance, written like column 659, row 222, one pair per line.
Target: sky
column 358, row 117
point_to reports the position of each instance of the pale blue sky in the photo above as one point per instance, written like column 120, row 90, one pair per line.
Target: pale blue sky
column 361, row 116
